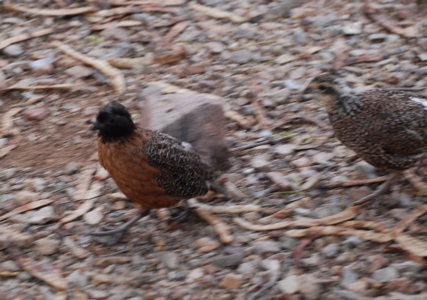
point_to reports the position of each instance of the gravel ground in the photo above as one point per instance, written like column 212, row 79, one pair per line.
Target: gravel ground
column 262, row 50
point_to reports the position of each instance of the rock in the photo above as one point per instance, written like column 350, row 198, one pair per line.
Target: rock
column 194, row 275
column 77, row 279
column 207, row 244
column 36, row 113
column 11, row 238
column 261, row 163
column 365, row 169
column 330, row 250
column 24, row 197
column 302, row 12
column 13, row 50
column 115, row 33
column 38, row 184
column 79, row 72
column 280, row 180
column 231, row 281
column 249, row 267
column 75, row 249
column 170, row 259
column 377, row 37
column 311, row 183
column 352, row 28
column 227, row 261
column 190, row 117
column 43, row 70
column 348, row 277
column 10, row 265
column 7, row 174
column 242, row 56
column 47, row 246
column 289, row 285
column 385, row 274
column 216, row 47
column 407, row 267
column 71, row 168
column 285, row 149
column 93, row 217
column 309, row 286
column 42, row 216
column 359, row 286
column 267, row 247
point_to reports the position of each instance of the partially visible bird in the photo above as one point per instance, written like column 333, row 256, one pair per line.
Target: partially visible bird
column 386, row 128
column 152, row 169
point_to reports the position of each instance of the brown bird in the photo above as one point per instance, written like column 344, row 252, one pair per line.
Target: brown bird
column 152, row 169
column 386, row 128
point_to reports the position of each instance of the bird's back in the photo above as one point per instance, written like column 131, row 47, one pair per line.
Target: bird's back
column 154, row 169
column 386, row 128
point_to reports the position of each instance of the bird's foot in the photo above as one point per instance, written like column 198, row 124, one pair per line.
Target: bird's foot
column 117, row 232
column 382, row 189
column 186, row 215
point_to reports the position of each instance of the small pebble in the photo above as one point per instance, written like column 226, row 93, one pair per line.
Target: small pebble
column 42, row 216
column 47, row 246
column 93, row 217
column 231, row 281
column 207, row 244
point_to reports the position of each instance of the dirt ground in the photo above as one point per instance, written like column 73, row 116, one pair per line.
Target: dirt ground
column 258, row 56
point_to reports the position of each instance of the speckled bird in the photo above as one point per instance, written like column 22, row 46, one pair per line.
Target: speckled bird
column 152, row 169
column 387, row 128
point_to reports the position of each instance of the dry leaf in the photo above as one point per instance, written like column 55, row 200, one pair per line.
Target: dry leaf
column 6, row 150
column 117, row 78
column 125, row 23
column 221, row 229
column 129, row 63
column 24, row 37
column 83, row 183
column 51, row 12
column 7, row 121
column 27, row 207
column 174, row 31
column 84, row 208
column 170, row 57
column 148, row 2
column 12, row 238
column 409, row 219
column 217, row 13
column 411, row 244
column 46, row 272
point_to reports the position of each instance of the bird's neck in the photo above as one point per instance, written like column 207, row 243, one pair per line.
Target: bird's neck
column 120, row 137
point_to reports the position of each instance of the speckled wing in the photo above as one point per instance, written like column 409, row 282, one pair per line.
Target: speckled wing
column 182, row 173
column 398, row 122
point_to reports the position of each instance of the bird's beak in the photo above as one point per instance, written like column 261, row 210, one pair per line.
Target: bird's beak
column 95, row 126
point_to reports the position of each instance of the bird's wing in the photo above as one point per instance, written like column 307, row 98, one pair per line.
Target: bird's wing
column 182, row 173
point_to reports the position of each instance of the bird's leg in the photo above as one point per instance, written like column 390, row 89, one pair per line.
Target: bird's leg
column 184, row 215
column 118, row 232
column 383, row 188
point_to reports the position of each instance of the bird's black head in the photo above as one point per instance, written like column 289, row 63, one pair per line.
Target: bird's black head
column 113, row 122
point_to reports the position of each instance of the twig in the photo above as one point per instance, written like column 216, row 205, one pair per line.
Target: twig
column 266, row 142
column 356, row 182
column 24, row 37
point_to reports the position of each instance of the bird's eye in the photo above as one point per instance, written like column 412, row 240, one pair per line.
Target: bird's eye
column 323, row 87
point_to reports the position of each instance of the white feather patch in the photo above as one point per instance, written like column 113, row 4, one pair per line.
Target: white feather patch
column 187, row 146
column 422, row 101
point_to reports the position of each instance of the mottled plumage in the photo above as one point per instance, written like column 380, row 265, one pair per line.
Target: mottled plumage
column 387, row 128
column 151, row 168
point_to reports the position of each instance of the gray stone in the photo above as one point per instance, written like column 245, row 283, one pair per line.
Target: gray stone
column 190, row 117
column 285, row 149
column 352, row 28
column 93, row 217
column 170, row 259
column 14, row 50
column 7, row 174
column 331, row 250
column 348, row 277
column 377, row 37
column 289, row 285
column 385, row 274
column 366, row 169
column 267, row 247
column 24, row 197
column 309, row 286
column 242, row 56
column 77, row 279
column 79, row 72
column 226, row 261
column 261, row 163
column 71, row 168
column 47, row 246
column 407, row 267
column 249, row 267
column 42, row 216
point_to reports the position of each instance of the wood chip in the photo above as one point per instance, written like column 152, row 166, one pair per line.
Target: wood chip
column 217, row 13
column 24, row 37
column 413, row 245
column 409, row 219
column 27, row 207
column 117, row 78
column 51, row 12
column 125, row 23
column 174, row 31
column 7, row 121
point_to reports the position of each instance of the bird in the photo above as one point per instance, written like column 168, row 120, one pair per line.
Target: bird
column 386, row 128
column 151, row 168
